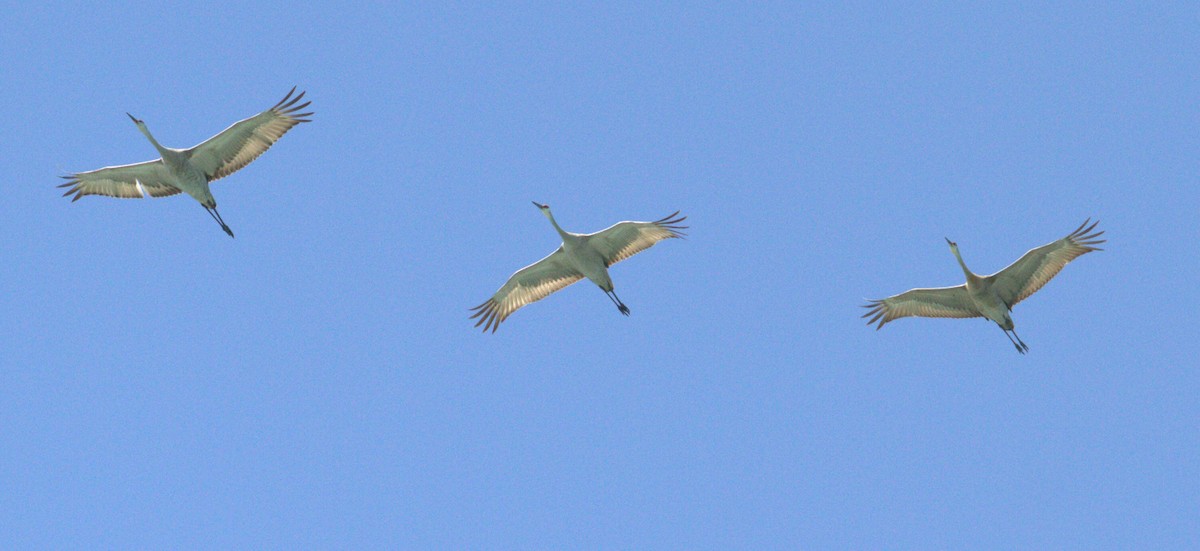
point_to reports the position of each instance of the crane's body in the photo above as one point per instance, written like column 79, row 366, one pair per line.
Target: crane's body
column 585, row 258
column 983, row 294
column 580, row 256
column 184, row 174
column 190, row 170
column 991, row 297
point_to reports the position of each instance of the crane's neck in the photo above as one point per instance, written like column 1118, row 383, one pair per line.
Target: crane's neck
column 972, row 279
column 161, row 150
column 561, row 232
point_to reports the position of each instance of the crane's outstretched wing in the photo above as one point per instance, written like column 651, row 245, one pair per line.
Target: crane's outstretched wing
column 1038, row 266
column 625, row 239
column 530, row 284
column 125, row 181
column 234, row 148
column 940, row 302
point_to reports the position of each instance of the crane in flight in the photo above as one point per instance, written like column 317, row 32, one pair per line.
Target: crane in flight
column 191, row 170
column 990, row 296
column 580, row 255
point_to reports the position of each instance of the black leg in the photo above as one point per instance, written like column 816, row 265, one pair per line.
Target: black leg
column 217, row 216
column 1010, row 339
column 620, row 305
column 1020, row 342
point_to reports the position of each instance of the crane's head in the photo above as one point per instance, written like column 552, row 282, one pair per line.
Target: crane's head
column 953, row 245
column 544, row 208
column 140, row 124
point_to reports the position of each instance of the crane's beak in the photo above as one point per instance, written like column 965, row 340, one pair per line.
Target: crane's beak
column 538, row 205
column 948, row 241
column 135, row 121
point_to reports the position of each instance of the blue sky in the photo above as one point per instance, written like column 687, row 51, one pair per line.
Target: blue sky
column 316, row 382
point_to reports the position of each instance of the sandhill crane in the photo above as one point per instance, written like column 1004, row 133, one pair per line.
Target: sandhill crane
column 190, row 170
column 990, row 296
column 580, row 255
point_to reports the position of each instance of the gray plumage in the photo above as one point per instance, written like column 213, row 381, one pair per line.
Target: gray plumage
column 580, row 255
column 990, row 296
column 191, row 170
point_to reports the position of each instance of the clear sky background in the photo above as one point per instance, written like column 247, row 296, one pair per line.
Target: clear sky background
column 315, row 382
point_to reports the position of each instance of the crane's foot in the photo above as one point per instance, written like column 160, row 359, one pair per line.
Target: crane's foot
column 1020, row 343
column 1015, row 340
column 216, row 216
column 620, row 305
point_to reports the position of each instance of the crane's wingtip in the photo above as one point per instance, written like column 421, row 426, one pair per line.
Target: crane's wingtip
column 286, row 99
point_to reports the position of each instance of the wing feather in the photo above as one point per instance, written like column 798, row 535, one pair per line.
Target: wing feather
column 940, row 302
column 625, row 239
column 122, row 181
column 1038, row 266
column 236, row 146
column 529, row 284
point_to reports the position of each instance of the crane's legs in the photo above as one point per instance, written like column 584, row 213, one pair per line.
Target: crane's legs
column 1020, row 342
column 217, row 216
column 620, row 305
column 1022, row 347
